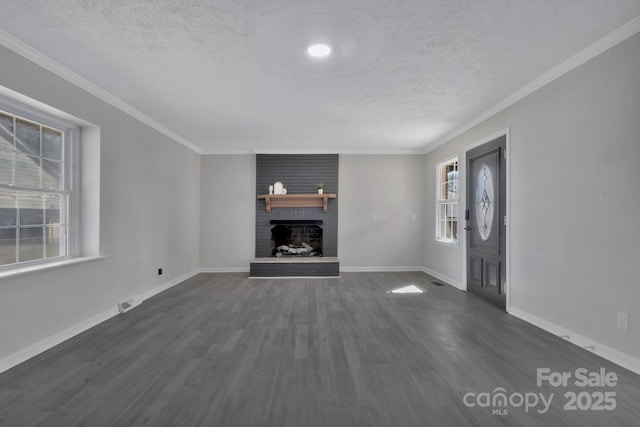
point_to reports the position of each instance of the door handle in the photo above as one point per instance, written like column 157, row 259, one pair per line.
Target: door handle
column 467, row 228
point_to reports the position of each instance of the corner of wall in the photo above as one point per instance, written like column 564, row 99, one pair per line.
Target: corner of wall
column 446, row 279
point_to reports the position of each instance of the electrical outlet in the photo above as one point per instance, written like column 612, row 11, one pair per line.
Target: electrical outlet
column 623, row 321
column 159, row 272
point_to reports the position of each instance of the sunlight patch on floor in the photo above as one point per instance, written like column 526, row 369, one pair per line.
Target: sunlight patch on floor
column 410, row 289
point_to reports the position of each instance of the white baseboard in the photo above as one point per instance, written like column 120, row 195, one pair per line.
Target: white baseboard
column 379, row 269
column 447, row 280
column 41, row 346
column 140, row 298
column 292, row 277
column 52, row 341
column 626, row 361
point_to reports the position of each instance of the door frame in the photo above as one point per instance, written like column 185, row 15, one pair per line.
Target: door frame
column 463, row 200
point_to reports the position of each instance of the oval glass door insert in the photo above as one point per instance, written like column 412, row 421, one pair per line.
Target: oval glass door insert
column 484, row 202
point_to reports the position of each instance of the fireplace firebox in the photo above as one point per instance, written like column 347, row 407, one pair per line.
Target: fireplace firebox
column 296, row 238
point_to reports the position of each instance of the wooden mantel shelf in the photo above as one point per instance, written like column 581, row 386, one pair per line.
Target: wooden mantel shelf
column 296, row 200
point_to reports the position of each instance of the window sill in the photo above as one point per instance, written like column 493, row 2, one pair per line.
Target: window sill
column 46, row 266
column 453, row 244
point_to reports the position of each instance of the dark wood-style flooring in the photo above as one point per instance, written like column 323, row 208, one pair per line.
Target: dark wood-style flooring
column 225, row 350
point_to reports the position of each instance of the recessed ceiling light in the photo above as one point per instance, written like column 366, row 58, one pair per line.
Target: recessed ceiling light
column 319, row 50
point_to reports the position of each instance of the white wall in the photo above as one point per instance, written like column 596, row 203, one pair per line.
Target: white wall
column 575, row 198
column 381, row 212
column 228, row 204
column 149, row 218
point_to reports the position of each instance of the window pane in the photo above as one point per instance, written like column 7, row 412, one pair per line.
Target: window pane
column 55, row 241
column 452, row 210
column 7, row 246
column 51, row 144
column 8, row 209
column 50, row 175
column 443, row 229
column 443, row 191
column 6, row 132
column 27, row 171
column 6, row 167
column 448, row 197
column 31, row 209
column 452, row 185
column 52, row 209
column 28, row 137
column 31, row 244
column 443, row 175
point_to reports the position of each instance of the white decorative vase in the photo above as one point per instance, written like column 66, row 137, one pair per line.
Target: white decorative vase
column 277, row 188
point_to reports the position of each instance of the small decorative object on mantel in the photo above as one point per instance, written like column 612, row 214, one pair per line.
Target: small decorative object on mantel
column 271, row 190
column 277, row 188
column 320, row 188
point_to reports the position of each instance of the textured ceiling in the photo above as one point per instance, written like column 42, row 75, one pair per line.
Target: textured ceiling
column 231, row 76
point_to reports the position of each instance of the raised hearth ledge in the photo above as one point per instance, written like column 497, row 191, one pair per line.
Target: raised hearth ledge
column 295, row 260
column 273, row 267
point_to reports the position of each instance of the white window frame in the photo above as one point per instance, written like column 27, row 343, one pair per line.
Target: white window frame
column 69, row 180
column 447, row 227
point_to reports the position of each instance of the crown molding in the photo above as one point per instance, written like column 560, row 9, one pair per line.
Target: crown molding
column 388, row 152
column 61, row 71
column 605, row 43
column 253, row 151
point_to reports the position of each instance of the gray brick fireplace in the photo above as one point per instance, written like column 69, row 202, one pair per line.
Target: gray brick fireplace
column 299, row 173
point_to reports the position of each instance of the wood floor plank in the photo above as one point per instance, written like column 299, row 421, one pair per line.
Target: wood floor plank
column 225, row 350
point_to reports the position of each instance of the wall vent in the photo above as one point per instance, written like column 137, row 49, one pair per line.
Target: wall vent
column 125, row 306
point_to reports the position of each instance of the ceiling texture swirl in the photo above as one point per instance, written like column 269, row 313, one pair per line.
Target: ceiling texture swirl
column 234, row 76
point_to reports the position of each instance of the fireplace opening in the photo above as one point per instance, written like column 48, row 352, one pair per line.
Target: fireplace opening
column 296, row 238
